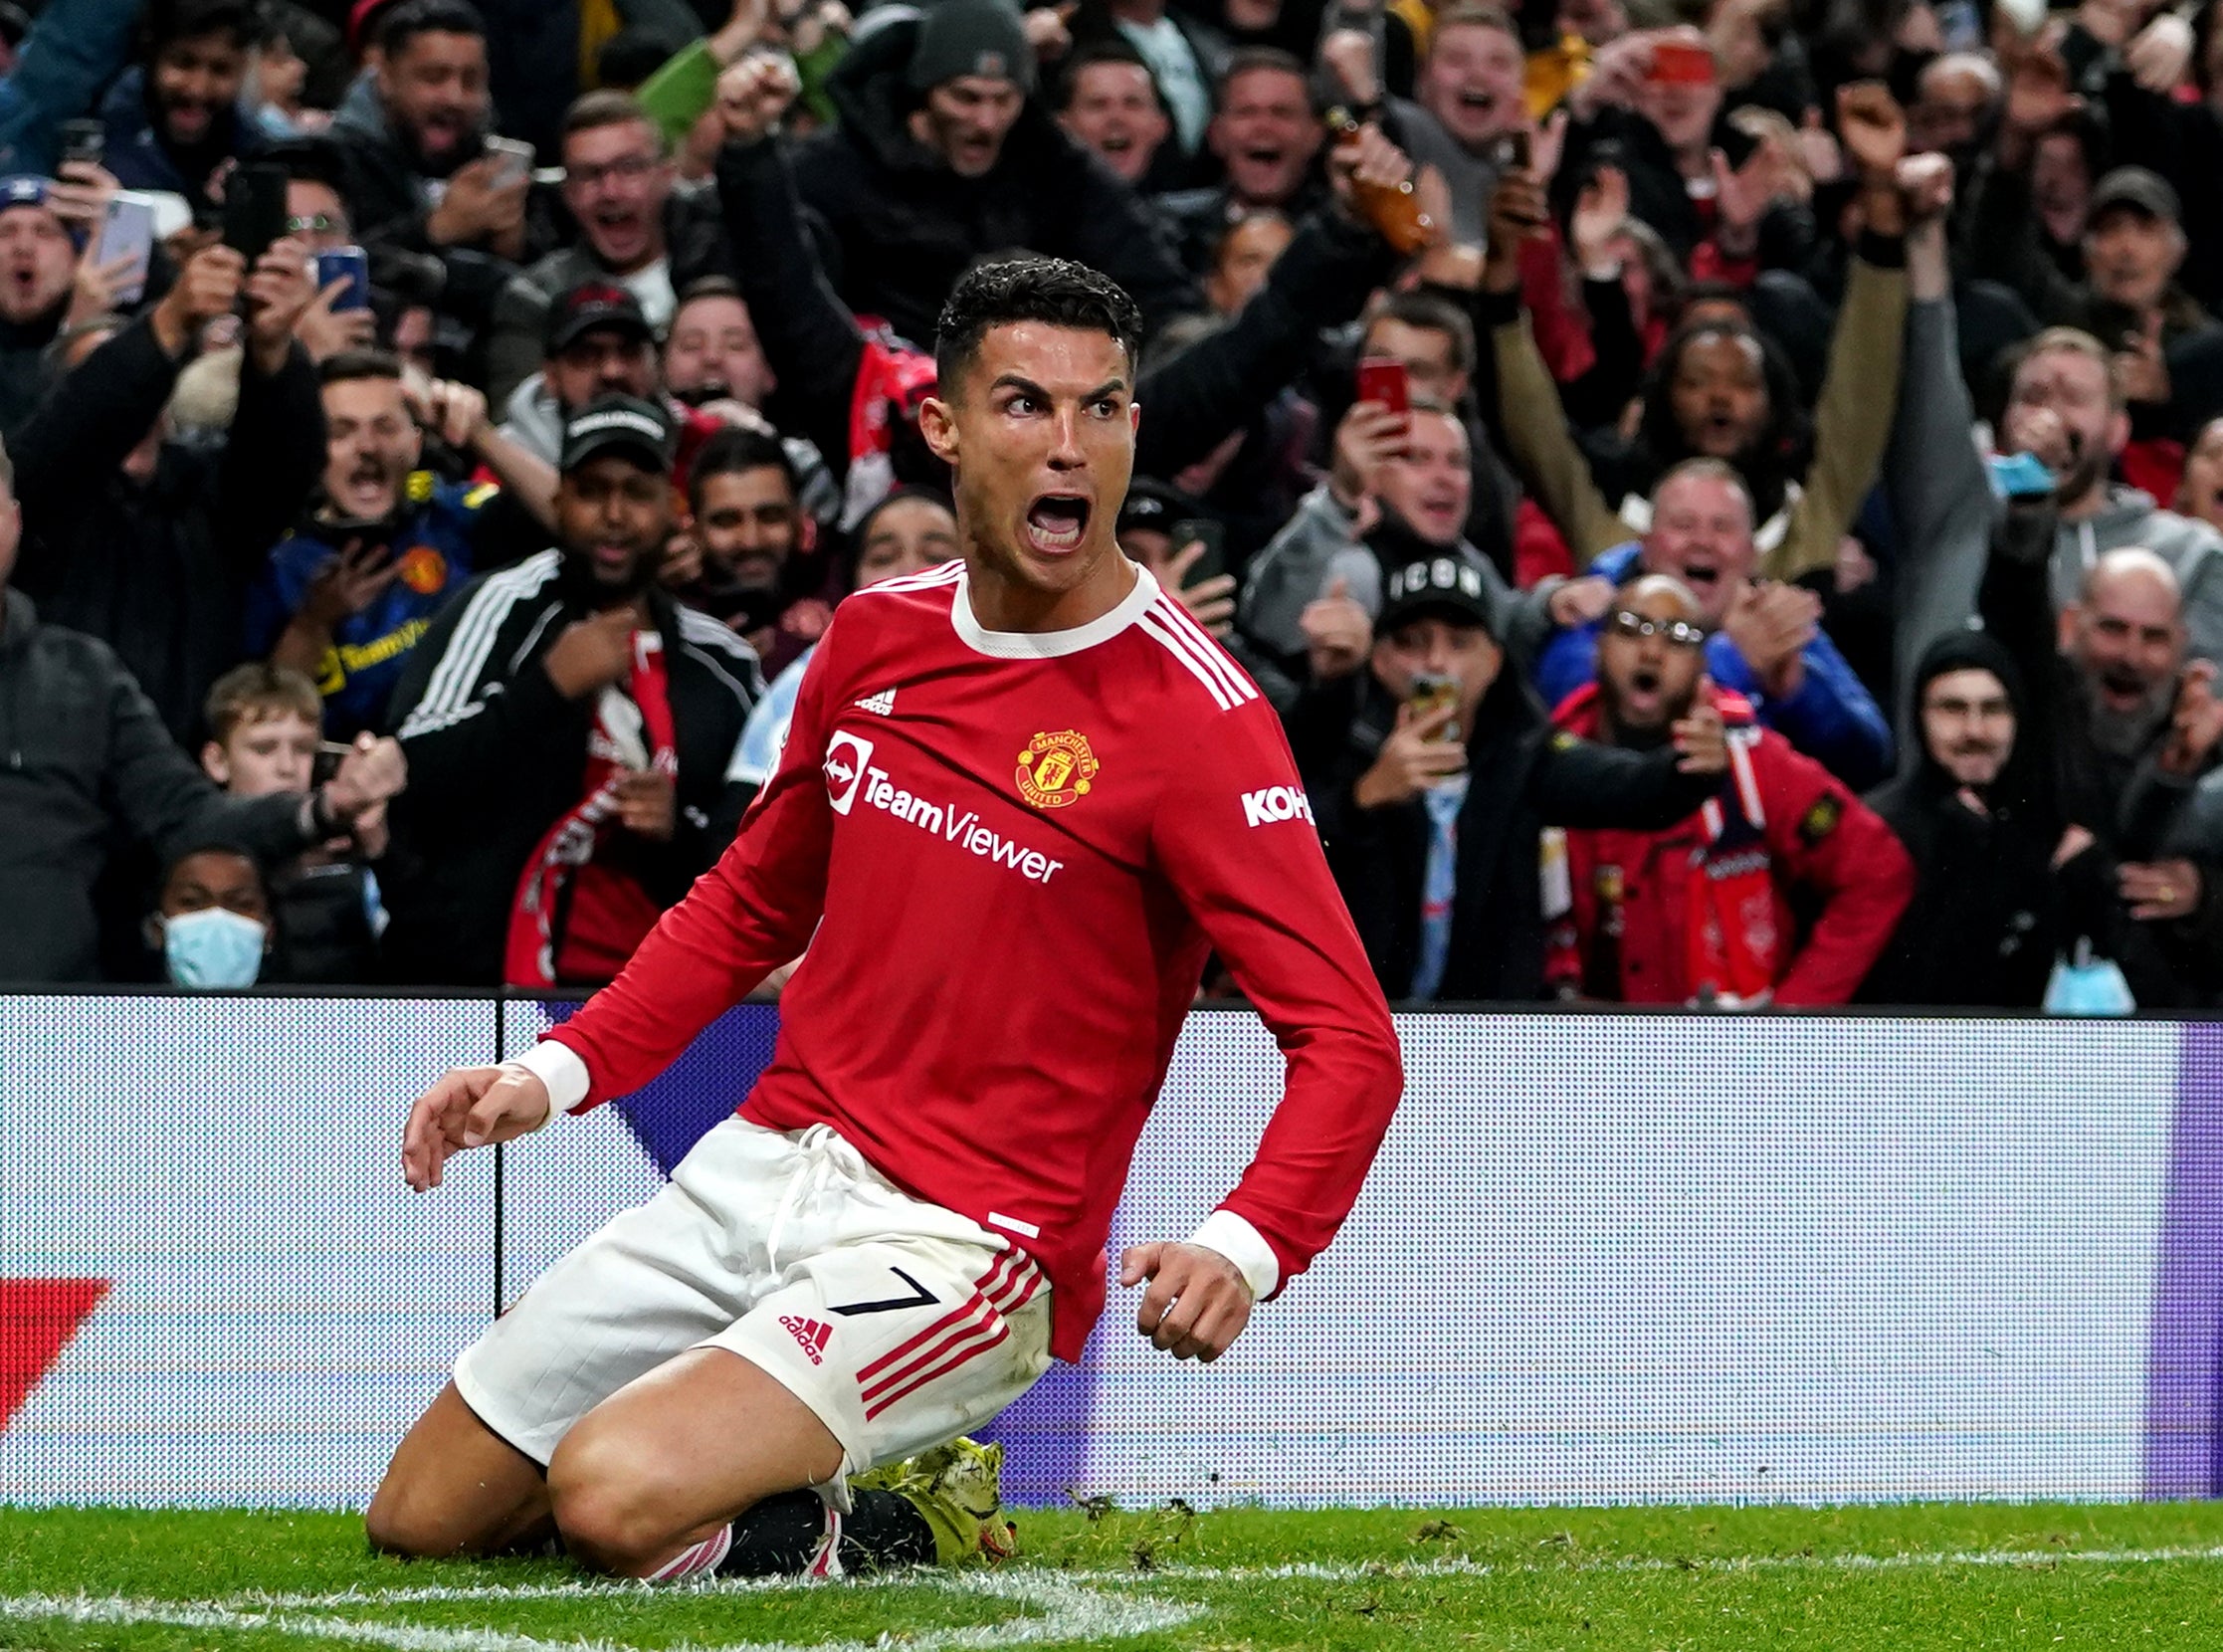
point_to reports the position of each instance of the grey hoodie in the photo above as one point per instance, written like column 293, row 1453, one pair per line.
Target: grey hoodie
column 1940, row 495
column 1320, row 543
column 2131, row 518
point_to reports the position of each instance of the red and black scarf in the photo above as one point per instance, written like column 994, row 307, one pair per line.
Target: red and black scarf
column 576, row 917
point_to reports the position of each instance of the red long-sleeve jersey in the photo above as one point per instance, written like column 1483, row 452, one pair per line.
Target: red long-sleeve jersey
column 1009, row 855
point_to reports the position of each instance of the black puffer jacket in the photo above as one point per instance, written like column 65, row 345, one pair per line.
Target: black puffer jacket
column 82, row 753
column 898, row 227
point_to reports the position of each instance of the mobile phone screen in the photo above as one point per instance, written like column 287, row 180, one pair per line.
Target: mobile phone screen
column 127, row 232
column 83, row 140
column 1682, row 63
column 513, row 160
column 1384, row 379
column 1432, row 693
column 1212, row 536
column 351, row 265
column 254, row 210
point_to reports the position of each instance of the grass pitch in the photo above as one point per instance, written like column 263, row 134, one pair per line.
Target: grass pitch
column 1895, row 1579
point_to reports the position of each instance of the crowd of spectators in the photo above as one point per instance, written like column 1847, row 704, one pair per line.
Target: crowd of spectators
column 438, row 431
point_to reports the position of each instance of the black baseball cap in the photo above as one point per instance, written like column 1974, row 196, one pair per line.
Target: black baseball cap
column 592, row 306
column 619, row 424
column 1447, row 588
column 2139, row 189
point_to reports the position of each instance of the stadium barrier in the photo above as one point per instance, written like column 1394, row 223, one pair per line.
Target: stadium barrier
column 1625, row 1258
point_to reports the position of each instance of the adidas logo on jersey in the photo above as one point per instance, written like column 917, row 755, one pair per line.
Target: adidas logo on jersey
column 1272, row 803
column 882, row 703
column 812, row 1335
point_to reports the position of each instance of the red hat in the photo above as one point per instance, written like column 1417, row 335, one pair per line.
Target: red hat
column 363, row 19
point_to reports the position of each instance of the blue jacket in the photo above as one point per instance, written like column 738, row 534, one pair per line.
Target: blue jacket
column 71, row 50
column 434, row 550
column 1833, row 718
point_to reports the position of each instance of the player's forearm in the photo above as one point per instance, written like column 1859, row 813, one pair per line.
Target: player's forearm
column 1342, row 1091
column 705, row 955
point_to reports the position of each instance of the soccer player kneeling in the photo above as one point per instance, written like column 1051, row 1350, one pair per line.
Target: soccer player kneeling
column 1017, row 808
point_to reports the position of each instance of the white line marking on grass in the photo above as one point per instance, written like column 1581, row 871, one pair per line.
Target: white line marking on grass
column 1070, row 1605
column 1318, row 1572
column 1355, row 1571
column 1070, row 1612
column 402, row 1637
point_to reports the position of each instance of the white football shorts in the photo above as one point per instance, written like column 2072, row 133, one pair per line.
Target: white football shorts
column 901, row 1324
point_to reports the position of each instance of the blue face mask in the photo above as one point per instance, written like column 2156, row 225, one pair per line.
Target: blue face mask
column 213, row 948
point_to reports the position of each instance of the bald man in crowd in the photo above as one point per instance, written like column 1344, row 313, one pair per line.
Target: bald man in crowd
column 1955, row 108
column 2133, row 727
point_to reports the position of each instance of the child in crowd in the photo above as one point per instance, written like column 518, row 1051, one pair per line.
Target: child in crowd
column 266, row 735
column 212, row 921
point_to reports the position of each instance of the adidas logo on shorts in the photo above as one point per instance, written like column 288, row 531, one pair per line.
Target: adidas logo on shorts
column 813, row 1335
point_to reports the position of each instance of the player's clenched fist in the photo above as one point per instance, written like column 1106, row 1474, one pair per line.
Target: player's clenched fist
column 1199, row 1301
column 469, row 1108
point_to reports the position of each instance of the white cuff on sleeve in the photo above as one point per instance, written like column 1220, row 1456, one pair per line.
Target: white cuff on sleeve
column 559, row 1068
column 1243, row 1245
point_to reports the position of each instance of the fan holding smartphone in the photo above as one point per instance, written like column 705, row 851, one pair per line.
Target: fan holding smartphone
column 482, row 205
column 1372, row 434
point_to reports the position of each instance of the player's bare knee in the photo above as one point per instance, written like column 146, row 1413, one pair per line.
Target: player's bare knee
column 613, row 1528
column 401, row 1522
column 608, row 1504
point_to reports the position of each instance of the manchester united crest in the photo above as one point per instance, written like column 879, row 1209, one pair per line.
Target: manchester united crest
column 1057, row 770
column 423, row 569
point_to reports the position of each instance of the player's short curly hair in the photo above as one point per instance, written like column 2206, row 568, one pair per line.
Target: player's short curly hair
column 1052, row 291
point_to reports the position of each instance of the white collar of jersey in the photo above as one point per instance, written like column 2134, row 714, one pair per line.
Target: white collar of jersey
column 1050, row 645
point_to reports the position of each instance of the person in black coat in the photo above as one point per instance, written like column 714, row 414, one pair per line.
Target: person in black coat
column 148, row 542
column 1987, row 920
column 86, row 768
column 536, row 701
column 816, row 344
column 2125, row 738
column 431, row 204
column 944, row 155
column 1432, row 774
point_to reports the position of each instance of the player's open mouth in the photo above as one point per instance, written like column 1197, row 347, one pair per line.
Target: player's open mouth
column 1700, row 576
column 1056, row 524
